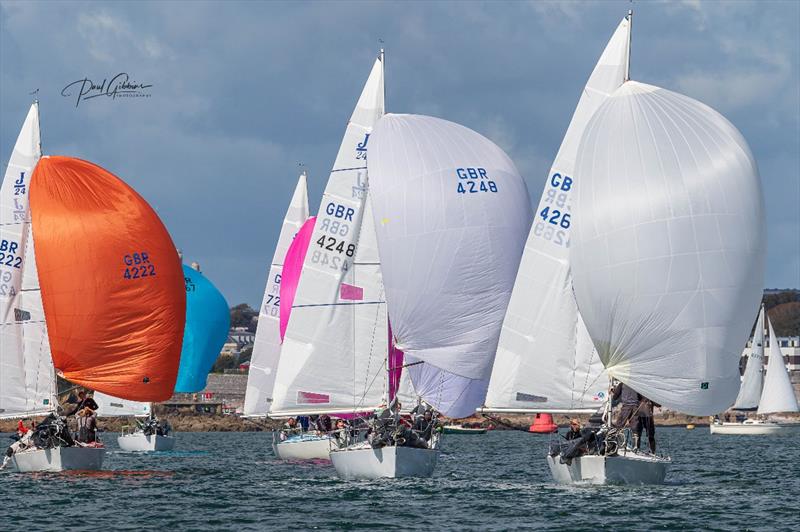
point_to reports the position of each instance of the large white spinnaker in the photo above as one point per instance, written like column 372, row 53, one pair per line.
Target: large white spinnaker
column 667, row 249
column 750, row 390
column 27, row 381
column 267, row 346
column 110, row 406
column 333, row 358
column 451, row 213
column 778, row 394
column 545, row 360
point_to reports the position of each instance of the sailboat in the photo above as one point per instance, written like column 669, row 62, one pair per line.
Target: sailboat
column 334, row 346
column 667, row 261
column 205, row 332
column 94, row 329
column 546, row 362
column 267, row 345
column 776, row 396
column 451, row 214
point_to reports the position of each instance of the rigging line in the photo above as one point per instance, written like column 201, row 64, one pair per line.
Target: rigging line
column 340, row 304
column 347, row 169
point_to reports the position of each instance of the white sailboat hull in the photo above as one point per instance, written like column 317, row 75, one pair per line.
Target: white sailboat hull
column 307, row 449
column 743, row 429
column 620, row 469
column 366, row 463
column 139, row 441
column 59, row 459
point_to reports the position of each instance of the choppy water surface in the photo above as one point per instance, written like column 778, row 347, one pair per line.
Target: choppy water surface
column 497, row 481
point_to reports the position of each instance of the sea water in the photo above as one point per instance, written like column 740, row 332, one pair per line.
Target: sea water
column 496, row 481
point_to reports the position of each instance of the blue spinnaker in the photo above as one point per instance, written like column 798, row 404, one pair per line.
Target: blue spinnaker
column 207, row 323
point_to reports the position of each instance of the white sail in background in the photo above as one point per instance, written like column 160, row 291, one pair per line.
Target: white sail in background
column 750, row 390
column 267, row 346
column 27, row 381
column 109, row 406
column 667, row 249
column 451, row 213
column 778, row 395
column 544, row 361
column 334, row 353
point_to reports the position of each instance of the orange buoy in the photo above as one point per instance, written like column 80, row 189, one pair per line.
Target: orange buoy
column 543, row 424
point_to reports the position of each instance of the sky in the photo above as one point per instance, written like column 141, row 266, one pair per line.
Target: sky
column 242, row 93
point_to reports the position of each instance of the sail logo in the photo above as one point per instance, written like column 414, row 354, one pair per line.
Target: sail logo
column 19, row 185
column 361, row 187
column 599, row 396
column 21, row 315
column 361, row 149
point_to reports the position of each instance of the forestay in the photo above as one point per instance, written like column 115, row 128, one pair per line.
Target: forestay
column 334, row 353
column 668, row 245
column 750, row 390
column 27, row 381
column 451, row 213
column 109, row 406
column 778, row 394
column 545, row 359
column 267, row 346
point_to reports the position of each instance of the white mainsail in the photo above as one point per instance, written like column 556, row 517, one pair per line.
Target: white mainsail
column 27, row 380
column 667, row 250
column 778, row 394
column 267, row 346
column 750, row 390
column 334, row 352
column 545, row 360
column 451, row 213
column 110, row 406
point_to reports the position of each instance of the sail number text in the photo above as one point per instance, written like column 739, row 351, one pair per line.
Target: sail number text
column 554, row 216
column 138, row 265
column 474, row 180
column 8, row 254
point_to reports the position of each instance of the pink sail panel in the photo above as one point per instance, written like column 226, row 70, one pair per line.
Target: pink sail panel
column 349, row 292
column 292, row 266
column 395, row 361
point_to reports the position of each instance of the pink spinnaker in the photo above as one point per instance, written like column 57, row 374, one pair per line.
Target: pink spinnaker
column 292, row 266
column 395, row 366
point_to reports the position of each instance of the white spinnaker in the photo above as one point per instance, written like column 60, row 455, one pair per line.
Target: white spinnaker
column 544, row 361
column 778, row 394
column 27, row 381
column 667, row 249
column 750, row 390
column 267, row 346
column 333, row 357
column 110, row 406
column 451, row 213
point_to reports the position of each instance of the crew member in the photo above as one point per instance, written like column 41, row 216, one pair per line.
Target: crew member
column 630, row 404
column 644, row 421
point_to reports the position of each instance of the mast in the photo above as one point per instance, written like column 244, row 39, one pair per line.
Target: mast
column 382, row 56
column 630, row 30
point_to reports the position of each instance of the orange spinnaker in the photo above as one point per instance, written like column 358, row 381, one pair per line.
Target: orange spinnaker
column 111, row 281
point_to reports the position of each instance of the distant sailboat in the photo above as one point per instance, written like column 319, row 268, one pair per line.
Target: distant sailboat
column 667, row 260
column 205, row 332
column 775, row 397
column 267, row 346
column 79, row 307
column 451, row 213
column 546, row 362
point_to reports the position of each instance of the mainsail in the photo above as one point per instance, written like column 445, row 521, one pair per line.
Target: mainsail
column 111, row 281
column 750, row 390
column 545, row 360
column 267, row 347
column 110, row 406
column 667, row 249
column 778, row 395
column 27, row 382
column 206, row 330
column 451, row 213
column 334, row 353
